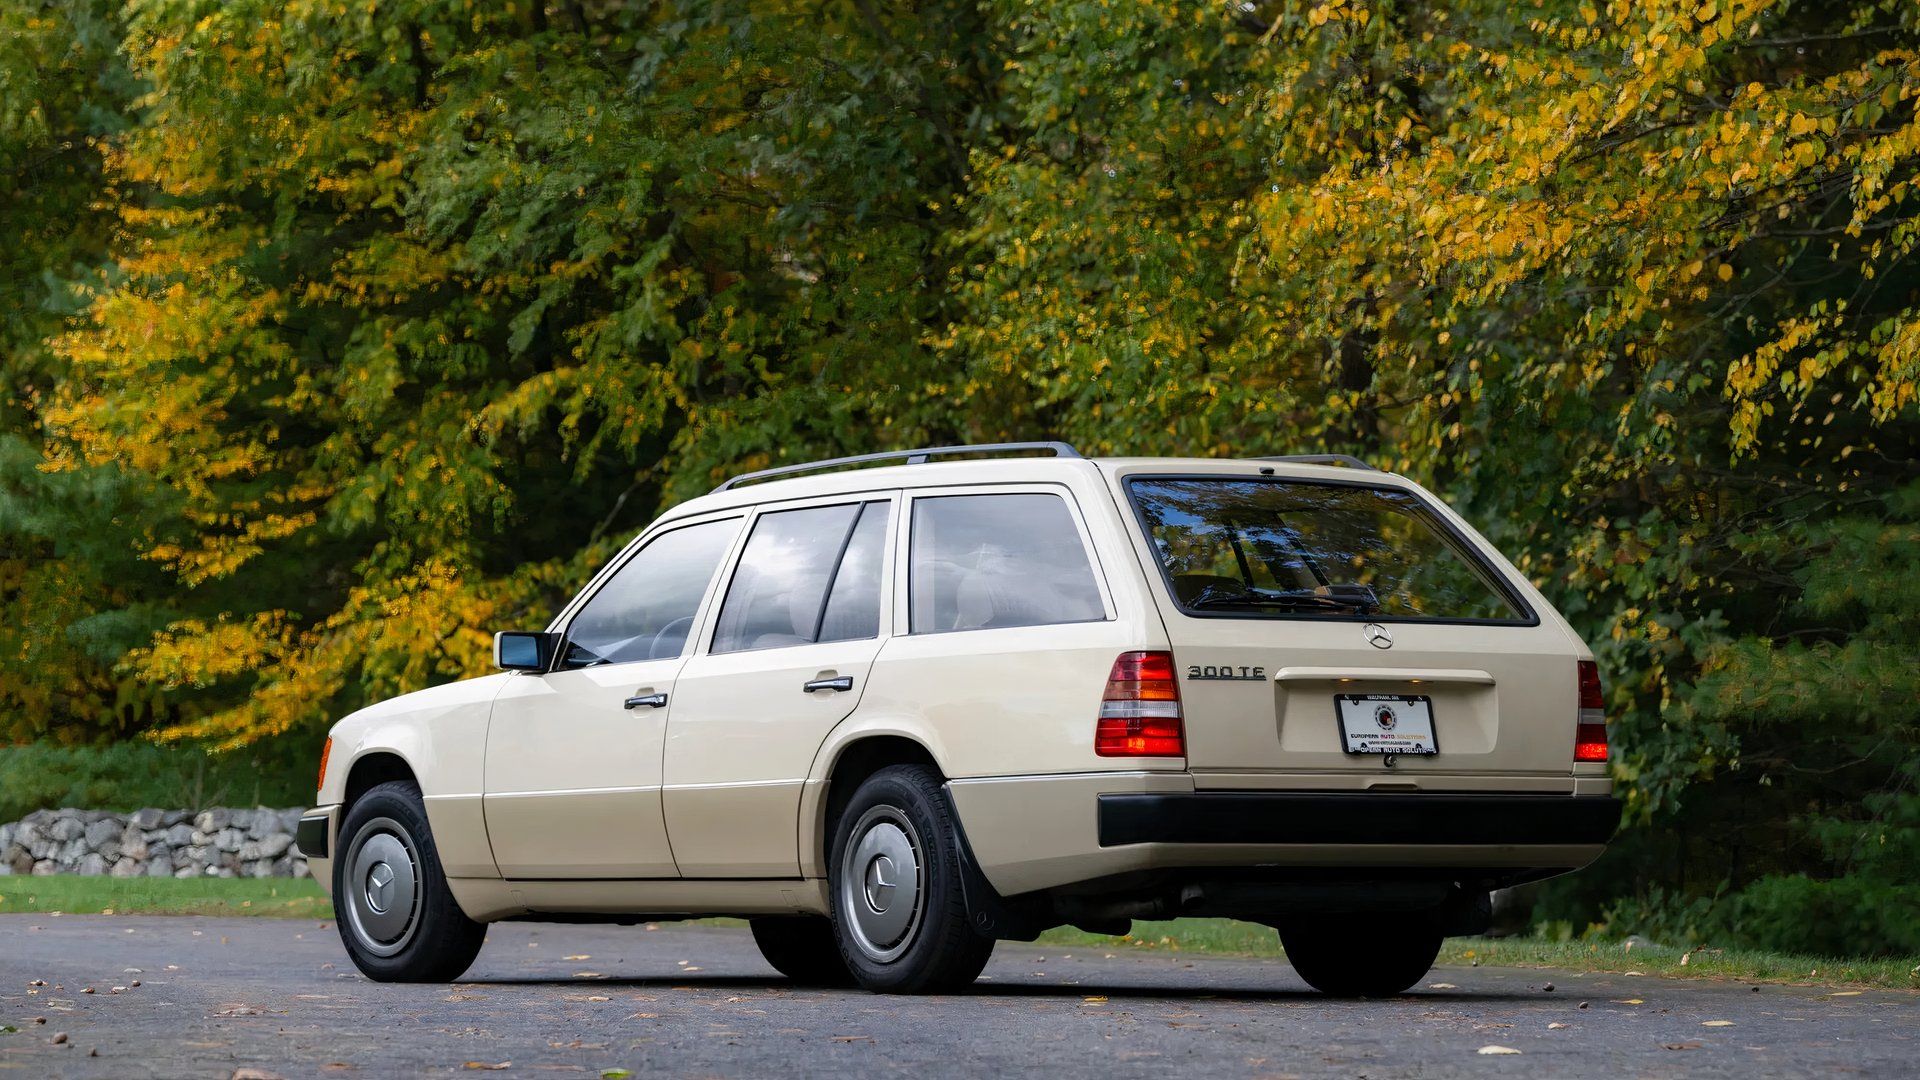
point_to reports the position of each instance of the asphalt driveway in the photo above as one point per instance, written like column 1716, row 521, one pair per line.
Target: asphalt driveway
column 190, row 997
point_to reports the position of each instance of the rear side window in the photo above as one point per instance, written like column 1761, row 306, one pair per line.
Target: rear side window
column 806, row 575
column 853, row 605
column 645, row 611
column 1287, row 549
column 985, row 561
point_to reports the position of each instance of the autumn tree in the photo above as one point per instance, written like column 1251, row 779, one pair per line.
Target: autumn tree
column 347, row 336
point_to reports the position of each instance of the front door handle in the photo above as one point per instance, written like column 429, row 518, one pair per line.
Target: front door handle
column 844, row 682
column 652, row 701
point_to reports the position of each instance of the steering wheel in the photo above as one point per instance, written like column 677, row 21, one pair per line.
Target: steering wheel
column 681, row 624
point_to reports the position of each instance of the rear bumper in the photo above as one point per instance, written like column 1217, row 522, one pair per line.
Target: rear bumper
column 1355, row 818
column 1031, row 833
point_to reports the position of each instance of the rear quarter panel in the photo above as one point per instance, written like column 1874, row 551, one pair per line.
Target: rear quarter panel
column 1021, row 699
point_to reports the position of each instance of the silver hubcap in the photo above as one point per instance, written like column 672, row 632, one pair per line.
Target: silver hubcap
column 382, row 887
column 882, row 883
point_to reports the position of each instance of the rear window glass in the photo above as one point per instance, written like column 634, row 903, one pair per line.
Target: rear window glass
column 986, row 561
column 1281, row 549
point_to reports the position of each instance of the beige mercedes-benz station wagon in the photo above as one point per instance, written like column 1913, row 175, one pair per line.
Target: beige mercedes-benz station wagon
column 893, row 708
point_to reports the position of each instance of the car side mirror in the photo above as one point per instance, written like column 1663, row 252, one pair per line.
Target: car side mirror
column 524, row 650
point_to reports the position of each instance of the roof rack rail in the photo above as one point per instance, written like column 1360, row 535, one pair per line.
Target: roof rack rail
column 1347, row 460
column 917, row 456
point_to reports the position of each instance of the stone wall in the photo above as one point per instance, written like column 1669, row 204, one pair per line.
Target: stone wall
column 254, row 843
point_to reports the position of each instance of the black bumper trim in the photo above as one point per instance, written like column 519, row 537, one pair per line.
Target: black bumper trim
column 1341, row 818
column 310, row 836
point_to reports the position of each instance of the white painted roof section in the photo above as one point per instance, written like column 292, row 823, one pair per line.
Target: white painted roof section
column 1006, row 470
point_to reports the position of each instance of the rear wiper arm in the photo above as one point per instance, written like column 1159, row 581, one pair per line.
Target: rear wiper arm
column 1359, row 599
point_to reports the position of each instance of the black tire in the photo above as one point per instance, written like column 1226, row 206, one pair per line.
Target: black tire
column 802, row 947
column 1344, row 958
column 437, row 942
column 939, row 950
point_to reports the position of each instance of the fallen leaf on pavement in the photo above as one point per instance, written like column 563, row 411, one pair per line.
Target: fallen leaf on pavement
column 1680, row 1046
column 1845, row 993
column 490, row 1068
column 579, row 956
column 237, row 1010
column 245, row 1073
column 588, row 975
column 1555, row 1026
column 1493, row 1050
column 1441, row 986
column 1628, row 1001
column 1716, row 1023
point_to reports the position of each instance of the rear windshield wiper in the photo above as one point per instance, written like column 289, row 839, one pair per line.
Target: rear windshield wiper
column 1359, row 599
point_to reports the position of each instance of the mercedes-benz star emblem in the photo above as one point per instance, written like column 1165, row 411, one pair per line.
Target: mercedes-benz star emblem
column 1378, row 636
column 380, row 888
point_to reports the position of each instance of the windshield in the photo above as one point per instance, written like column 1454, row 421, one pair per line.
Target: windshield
column 1291, row 549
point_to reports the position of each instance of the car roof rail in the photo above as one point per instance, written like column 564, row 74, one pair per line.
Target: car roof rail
column 1347, row 460
column 916, row 456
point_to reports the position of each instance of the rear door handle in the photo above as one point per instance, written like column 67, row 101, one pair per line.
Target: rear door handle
column 844, row 682
column 652, row 701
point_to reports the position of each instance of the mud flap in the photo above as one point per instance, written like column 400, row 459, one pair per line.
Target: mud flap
column 992, row 915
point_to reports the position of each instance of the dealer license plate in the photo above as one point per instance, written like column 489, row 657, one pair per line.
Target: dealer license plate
column 1386, row 723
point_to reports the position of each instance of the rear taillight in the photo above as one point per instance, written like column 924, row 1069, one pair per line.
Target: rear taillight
column 326, row 751
column 1140, row 712
column 1590, row 732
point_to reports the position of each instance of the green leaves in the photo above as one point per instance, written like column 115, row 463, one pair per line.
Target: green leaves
column 342, row 336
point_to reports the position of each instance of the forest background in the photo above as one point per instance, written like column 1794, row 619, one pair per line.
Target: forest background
column 334, row 336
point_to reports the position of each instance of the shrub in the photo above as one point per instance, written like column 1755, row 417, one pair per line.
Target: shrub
column 128, row 776
column 1849, row 916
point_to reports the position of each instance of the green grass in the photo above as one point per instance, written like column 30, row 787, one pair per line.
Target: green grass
column 303, row 899
column 1226, row 937
column 72, row 895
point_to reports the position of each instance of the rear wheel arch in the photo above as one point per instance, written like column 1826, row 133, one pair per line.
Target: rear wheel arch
column 856, row 761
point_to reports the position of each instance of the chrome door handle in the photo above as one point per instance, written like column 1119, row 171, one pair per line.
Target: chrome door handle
column 652, row 701
column 844, row 682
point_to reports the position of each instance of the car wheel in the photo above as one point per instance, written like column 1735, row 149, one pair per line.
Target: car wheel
column 802, row 948
column 899, row 914
column 1343, row 958
column 396, row 915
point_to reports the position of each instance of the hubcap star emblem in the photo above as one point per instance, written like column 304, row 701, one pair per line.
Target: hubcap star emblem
column 379, row 887
column 880, row 883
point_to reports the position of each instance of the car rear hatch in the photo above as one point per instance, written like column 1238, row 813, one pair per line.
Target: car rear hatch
column 1335, row 628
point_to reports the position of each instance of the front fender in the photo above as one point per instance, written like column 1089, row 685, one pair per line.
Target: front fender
column 441, row 736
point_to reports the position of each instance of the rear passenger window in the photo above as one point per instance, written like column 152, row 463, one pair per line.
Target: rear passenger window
column 985, row 561
column 806, row 575
column 853, row 607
